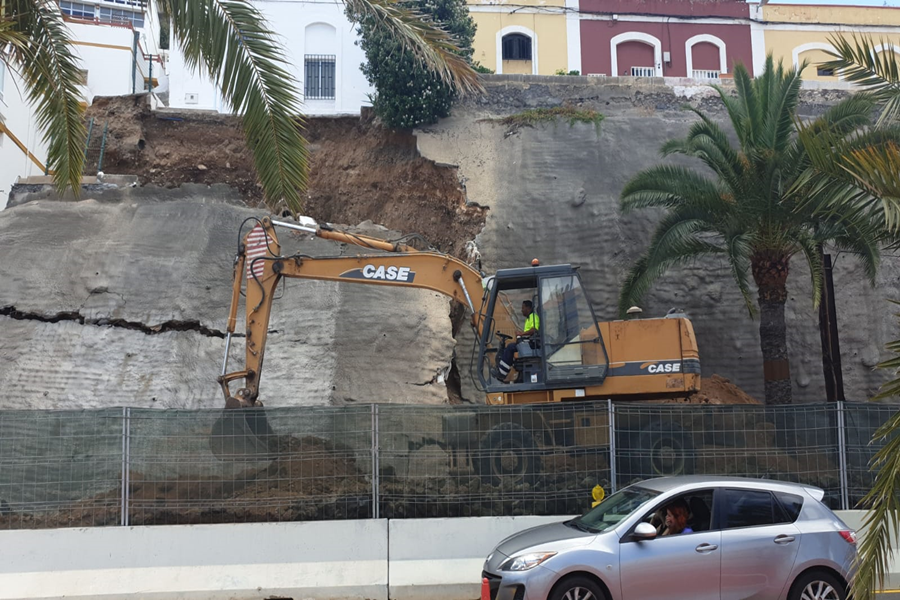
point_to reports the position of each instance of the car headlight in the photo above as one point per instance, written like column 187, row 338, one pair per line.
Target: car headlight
column 526, row 561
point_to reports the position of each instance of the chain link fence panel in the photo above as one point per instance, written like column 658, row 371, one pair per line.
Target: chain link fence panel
column 152, row 467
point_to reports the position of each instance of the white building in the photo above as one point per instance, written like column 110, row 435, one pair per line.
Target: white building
column 22, row 153
column 117, row 41
column 320, row 45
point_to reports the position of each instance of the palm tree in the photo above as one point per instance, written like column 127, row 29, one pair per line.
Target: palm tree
column 230, row 41
column 869, row 182
column 748, row 213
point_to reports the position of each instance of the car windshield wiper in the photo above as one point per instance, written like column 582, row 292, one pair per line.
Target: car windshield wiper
column 581, row 526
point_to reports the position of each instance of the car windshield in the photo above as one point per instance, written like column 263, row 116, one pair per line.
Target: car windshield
column 612, row 510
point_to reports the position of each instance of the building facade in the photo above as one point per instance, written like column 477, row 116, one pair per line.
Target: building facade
column 320, row 45
column 529, row 37
column 664, row 38
column 117, row 42
column 795, row 33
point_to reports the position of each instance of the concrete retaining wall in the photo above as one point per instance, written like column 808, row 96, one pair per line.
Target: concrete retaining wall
column 421, row 559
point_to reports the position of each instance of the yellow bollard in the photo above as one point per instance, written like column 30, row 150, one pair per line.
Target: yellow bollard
column 598, row 495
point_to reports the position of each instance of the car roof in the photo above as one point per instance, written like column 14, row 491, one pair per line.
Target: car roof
column 667, row 484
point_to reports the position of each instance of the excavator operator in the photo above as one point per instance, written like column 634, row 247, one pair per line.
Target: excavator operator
column 532, row 325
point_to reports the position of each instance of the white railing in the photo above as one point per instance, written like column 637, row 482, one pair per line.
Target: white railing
column 643, row 72
column 704, row 74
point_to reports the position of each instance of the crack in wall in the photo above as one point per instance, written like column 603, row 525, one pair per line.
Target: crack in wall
column 76, row 316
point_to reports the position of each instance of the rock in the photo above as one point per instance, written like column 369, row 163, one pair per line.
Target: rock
column 201, row 167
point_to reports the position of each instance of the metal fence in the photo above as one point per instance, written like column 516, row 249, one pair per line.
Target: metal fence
column 146, row 467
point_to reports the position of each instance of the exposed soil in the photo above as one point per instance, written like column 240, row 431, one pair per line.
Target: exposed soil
column 717, row 390
column 358, row 170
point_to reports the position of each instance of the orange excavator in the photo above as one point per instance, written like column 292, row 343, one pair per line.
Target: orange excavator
column 572, row 357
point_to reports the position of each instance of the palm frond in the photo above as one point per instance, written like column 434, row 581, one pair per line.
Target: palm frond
column 738, row 248
column 50, row 75
column 877, row 170
column 877, row 73
column 675, row 242
column 882, row 523
column 431, row 45
column 810, row 249
column 230, row 39
column 670, row 186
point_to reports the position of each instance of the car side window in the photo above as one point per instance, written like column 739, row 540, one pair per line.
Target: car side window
column 791, row 503
column 692, row 511
column 751, row 508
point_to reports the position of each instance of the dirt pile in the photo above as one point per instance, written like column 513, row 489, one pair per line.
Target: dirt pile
column 359, row 171
column 716, row 390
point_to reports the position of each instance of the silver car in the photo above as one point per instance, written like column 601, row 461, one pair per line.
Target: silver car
column 744, row 539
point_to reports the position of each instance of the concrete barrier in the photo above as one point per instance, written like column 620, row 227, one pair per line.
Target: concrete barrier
column 441, row 559
column 413, row 559
column 316, row 561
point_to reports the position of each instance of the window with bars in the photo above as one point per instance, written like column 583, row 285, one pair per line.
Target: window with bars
column 643, row 72
column 516, row 47
column 122, row 17
column 824, row 72
column 319, row 77
column 77, row 10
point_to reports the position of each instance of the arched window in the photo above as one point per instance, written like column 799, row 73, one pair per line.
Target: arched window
column 516, row 46
column 320, row 62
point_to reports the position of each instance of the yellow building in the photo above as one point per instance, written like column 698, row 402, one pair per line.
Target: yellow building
column 795, row 33
column 528, row 37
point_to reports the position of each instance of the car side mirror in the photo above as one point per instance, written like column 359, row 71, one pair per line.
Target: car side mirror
column 644, row 531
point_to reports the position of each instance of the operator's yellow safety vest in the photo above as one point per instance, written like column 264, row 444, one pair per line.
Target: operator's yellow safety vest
column 532, row 322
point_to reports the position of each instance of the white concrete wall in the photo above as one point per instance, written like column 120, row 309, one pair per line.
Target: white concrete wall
column 106, row 53
column 18, row 118
column 421, row 559
column 441, row 559
column 315, row 561
column 290, row 21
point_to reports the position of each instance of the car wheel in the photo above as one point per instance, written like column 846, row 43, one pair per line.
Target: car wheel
column 577, row 588
column 818, row 585
column 508, row 451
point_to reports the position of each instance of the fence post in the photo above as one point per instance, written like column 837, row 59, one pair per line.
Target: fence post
column 611, row 408
column 842, row 455
column 375, row 450
column 126, row 460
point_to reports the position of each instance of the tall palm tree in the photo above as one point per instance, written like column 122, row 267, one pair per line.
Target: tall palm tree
column 747, row 212
column 228, row 40
column 869, row 179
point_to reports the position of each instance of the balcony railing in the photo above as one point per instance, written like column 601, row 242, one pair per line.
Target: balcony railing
column 643, row 72
column 704, row 74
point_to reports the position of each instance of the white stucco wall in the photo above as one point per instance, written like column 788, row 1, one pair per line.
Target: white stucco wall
column 291, row 21
column 17, row 116
column 106, row 53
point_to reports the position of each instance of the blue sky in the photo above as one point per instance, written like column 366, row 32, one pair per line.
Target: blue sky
column 840, row 2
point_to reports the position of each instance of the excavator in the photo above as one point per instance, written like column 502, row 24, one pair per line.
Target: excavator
column 572, row 358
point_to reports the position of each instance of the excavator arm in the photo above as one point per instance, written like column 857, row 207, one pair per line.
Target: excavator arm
column 261, row 265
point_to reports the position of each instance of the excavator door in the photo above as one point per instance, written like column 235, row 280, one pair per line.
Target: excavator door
column 568, row 350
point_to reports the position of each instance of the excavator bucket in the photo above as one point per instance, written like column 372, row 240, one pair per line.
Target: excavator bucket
column 242, row 435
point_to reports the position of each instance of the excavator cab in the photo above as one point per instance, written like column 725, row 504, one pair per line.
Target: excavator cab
column 567, row 351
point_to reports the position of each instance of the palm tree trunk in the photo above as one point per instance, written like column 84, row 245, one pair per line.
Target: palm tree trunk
column 770, row 271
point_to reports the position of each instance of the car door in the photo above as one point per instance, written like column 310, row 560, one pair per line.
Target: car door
column 759, row 545
column 684, row 566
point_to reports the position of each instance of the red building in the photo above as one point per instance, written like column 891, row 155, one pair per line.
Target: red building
column 664, row 38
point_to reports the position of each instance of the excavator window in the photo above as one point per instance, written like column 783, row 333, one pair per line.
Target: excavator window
column 568, row 349
column 572, row 348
